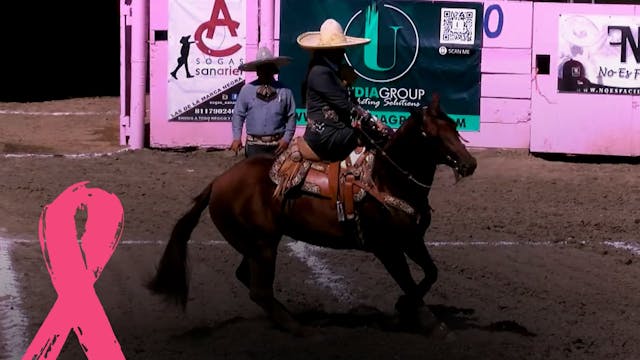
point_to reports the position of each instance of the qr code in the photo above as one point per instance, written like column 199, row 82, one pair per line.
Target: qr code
column 457, row 26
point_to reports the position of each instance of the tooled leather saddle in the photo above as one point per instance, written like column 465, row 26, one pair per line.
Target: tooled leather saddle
column 343, row 182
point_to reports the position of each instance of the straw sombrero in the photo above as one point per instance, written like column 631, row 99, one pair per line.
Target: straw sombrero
column 330, row 36
column 264, row 56
column 581, row 31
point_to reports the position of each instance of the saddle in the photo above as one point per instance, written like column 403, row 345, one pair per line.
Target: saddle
column 343, row 182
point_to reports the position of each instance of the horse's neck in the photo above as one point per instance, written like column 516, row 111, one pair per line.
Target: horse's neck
column 391, row 179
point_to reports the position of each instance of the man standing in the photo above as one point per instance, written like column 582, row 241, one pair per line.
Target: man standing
column 266, row 106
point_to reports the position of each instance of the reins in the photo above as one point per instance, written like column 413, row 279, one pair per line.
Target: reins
column 396, row 166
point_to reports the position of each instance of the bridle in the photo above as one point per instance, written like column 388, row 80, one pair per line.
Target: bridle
column 425, row 134
column 404, row 172
column 449, row 160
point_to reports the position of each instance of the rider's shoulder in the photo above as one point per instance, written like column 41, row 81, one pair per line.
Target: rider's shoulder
column 320, row 71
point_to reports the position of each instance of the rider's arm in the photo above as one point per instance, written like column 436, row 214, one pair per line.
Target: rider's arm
column 327, row 83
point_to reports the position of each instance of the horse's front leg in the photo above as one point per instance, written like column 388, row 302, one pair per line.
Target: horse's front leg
column 417, row 251
column 393, row 259
column 411, row 308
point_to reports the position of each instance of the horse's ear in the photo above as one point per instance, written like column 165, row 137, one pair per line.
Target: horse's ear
column 435, row 101
column 434, row 105
column 416, row 113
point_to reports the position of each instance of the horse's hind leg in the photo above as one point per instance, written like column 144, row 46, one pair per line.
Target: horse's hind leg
column 243, row 272
column 262, row 266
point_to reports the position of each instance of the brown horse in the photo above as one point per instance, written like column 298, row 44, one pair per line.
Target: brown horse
column 253, row 221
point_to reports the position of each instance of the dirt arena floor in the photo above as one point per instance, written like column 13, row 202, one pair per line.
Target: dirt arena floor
column 538, row 257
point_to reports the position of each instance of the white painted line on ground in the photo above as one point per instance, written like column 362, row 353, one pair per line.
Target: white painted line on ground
column 70, row 156
column 124, row 242
column 160, row 242
column 634, row 248
column 630, row 246
column 13, row 322
column 501, row 243
column 321, row 271
column 58, row 113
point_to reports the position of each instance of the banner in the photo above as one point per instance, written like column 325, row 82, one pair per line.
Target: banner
column 206, row 44
column 599, row 54
column 417, row 48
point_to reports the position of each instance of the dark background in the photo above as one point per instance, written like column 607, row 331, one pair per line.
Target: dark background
column 52, row 50
column 59, row 49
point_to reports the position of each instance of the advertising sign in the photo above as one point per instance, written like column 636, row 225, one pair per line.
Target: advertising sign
column 206, row 46
column 599, row 54
column 417, row 48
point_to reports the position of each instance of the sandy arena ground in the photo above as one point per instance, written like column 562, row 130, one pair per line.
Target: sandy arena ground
column 538, row 258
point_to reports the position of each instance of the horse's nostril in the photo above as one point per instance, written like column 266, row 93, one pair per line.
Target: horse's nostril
column 467, row 168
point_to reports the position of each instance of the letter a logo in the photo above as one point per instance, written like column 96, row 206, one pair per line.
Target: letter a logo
column 219, row 8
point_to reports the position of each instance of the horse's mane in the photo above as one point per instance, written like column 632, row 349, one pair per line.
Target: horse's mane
column 415, row 115
column 394, row 167
column 411, row 129
column 407, row 126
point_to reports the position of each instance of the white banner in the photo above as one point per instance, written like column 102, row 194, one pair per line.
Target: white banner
column 599, row 54
column 207, row 41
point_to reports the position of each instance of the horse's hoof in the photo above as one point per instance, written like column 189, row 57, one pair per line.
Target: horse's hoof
column 431, row 326
column 426, row 319
column 451, row 337
column 442, row 332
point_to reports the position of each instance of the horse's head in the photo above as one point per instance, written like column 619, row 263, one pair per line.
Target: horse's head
column 441, row 135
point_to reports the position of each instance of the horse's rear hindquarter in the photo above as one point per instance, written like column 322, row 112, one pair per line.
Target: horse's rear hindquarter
column 241, row 203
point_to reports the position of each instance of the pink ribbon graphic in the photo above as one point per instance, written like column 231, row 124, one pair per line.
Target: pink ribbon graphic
column 74, row 266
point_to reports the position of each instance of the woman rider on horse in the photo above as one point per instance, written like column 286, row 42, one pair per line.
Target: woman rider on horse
column 330, row 133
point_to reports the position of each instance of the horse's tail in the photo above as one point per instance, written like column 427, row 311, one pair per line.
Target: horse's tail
column 172, row 278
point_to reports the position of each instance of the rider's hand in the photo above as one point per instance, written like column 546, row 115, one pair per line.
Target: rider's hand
column 282, row 146
column 358, row 111
column 236, row 145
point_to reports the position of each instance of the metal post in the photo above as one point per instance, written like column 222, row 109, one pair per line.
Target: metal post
column 134, row 35
column 267, row 15
column 125, row 69
column 139, row 55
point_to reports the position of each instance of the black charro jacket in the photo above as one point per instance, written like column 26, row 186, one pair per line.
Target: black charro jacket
column 324, row 89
